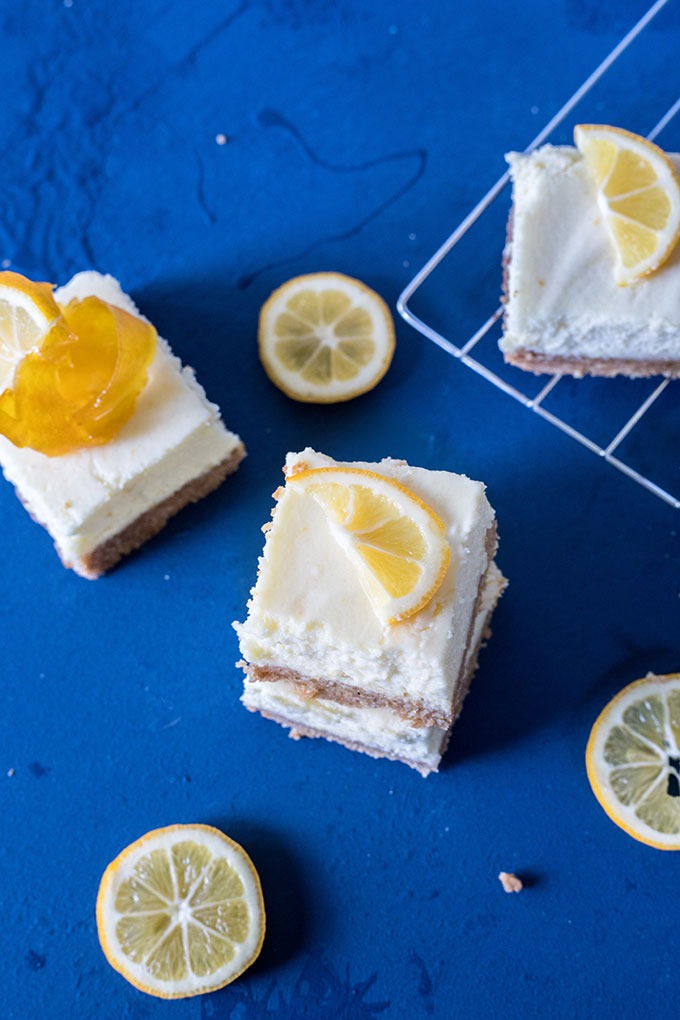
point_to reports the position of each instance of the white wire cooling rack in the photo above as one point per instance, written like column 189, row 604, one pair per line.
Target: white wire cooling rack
column 513, row 381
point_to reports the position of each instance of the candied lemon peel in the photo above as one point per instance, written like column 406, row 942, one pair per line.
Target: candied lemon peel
column 638, row 194
column 633, row 760
column 395, row 540
column 180, row 911
column 325, row 338
column 69, row 376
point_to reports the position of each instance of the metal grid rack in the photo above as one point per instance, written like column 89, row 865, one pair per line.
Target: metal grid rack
column 609, row 450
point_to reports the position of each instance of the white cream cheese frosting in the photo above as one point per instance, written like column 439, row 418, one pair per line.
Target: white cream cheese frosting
column 561, row 296
column 309, row 613
column 175, row 435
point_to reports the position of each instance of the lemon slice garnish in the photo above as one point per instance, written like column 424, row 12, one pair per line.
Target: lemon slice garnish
column 396, row 541
column 638, row 193
column 325, row 337
column 180, row 911
column 633, row 760
column 27, row 313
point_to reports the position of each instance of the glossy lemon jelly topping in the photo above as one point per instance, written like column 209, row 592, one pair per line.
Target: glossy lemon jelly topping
column 80, row 387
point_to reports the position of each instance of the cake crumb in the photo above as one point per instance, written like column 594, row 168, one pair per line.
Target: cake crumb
column 221, row 139
column 510, row 882
column 10, row 772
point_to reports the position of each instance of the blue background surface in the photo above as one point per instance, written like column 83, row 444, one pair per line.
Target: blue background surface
column 358, row 135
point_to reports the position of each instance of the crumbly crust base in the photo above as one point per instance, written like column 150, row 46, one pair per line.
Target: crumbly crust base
column 153, row 520
column 539, row 364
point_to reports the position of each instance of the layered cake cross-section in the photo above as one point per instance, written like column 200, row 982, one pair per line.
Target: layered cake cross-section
column 565, row 311
column 324, row 651
column 100, row 502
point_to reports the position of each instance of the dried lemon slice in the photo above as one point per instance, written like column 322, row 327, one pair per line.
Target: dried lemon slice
column 27, row 313
column 325, row 337
column 638, row 193
column 396, row 541
column 180, row 911
column 633, row 760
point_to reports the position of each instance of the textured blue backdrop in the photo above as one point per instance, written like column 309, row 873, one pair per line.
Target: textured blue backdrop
column 357, row 136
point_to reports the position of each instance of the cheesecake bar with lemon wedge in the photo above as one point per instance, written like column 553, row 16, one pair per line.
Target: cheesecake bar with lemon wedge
column 373, row 597
column 592, row 264
column 100, row 494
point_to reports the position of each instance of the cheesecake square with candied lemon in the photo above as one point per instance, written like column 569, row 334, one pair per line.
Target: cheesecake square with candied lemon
column 592, row 263
column 374, row 593
column 103, row 432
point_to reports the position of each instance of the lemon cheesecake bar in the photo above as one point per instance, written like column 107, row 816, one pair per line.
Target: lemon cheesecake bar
column 100, row 503
column 322, row 654
column 565, row 309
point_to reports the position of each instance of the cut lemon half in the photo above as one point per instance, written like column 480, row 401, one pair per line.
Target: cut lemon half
column 395, row 540
column 638, row 193
column 180, row 911
column 633, row 760
column 27, row 313
column 325, row 337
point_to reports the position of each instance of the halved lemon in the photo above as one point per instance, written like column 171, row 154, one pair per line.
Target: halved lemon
column 325, row 337
column 27, row 313
column 638, row 193
column 633, row 760
column 395, row 540
column 180, row 911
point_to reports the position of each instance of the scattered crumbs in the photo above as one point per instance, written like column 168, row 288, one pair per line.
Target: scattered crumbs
column 411, row 237
column 406, row 263
column 221, row 139
column 6, row 263
column 267, row 526
column 166, row 577
column 68, row 3
column 278, row 493
column 510, row 882
column 10, row 772
column 534, row 110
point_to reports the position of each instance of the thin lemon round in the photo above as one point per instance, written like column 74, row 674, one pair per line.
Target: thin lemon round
column 27, row 313
column 180, row 911
column 633, row 760
column 325, row 337
column 396, row 542
column 638, row 194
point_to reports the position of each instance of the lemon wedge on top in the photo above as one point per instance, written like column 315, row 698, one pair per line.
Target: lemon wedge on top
column 27, row 313
column 638, row 194
column 396, row 541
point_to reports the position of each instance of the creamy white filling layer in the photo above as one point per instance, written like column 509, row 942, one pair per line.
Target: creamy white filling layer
column 309, row 613
column 175, row 435
column 562, row 299
column 377, row 729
